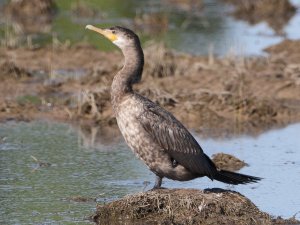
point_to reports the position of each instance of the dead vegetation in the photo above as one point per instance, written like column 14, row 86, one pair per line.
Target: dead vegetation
column 10, row 71
column 184, row 206
column 213, row 96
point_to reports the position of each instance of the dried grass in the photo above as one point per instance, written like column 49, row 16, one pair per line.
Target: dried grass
column 182, row 206
column 92, row 104
column 162, row 62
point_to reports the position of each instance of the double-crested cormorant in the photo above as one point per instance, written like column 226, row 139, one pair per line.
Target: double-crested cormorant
column 154, row 134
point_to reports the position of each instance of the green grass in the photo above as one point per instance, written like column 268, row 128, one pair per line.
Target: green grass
column 29, row 99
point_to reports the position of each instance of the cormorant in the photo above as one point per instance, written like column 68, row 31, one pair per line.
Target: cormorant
column 154, row 134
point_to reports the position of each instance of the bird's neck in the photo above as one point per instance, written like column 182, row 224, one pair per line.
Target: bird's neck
column 130, row 74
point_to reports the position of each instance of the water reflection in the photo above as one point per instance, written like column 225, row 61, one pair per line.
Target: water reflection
column 97, row 136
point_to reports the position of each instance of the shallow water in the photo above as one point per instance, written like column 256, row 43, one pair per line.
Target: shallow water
column 30, row 194
column 192, row 32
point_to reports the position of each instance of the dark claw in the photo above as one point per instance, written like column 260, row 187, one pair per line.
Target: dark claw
column 174, row 163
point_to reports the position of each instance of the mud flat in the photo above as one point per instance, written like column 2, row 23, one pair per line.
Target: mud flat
column 185, row 206
column 215, row 96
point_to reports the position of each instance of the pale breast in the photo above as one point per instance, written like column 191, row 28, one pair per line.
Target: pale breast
column 133, row 133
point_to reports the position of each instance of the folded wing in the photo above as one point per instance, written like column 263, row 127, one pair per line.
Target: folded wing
column 175, row 139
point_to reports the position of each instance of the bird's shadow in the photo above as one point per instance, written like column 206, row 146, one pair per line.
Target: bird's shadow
column 207, row 190
column 218, row 190
column 221, row 190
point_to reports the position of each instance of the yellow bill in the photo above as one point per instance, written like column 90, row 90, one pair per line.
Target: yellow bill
column 106, row 33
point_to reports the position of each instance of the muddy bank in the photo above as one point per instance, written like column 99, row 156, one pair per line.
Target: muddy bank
column 184, row 206
column 214, row 96
column 228, row 162
column 275, row 13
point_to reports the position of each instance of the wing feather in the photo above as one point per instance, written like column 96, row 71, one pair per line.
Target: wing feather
column 175, row 139
column 167, row 131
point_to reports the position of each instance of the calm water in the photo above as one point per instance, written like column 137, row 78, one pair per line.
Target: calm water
column 192, row 32
column 108, row 170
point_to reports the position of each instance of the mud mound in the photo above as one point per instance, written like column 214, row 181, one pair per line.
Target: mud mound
column 291, row 46
column 32, row 16
column 82, row 9
column 275, row 13
column 185, row 5
column 288, row 48
column 182, row 206
column 12, row 71
column 16, row 111
column 228, row 162
column 151, row 22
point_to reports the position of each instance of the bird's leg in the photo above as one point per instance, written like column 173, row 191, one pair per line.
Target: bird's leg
column 157, row 184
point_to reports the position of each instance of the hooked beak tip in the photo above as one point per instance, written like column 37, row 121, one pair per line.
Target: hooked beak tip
column 88, row 27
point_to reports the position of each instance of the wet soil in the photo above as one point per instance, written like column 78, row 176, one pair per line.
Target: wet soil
column 214, row 96
column 275, row 13
column 184, row 206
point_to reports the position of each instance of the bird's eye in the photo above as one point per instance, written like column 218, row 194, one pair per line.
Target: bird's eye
column 113, row 31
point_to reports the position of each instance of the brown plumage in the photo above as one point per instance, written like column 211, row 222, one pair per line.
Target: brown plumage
column 154, row 134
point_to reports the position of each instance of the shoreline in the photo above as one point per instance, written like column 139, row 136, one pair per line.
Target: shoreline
column 214, row 96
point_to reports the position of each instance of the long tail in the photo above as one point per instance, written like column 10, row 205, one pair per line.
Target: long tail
column 234, row 178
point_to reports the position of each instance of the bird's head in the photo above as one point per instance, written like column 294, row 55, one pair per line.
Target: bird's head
column 120, row 36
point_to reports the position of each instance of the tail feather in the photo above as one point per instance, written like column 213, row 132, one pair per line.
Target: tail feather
column 234, row 178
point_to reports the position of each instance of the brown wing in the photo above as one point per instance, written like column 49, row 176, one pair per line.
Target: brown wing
column 175, row 139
